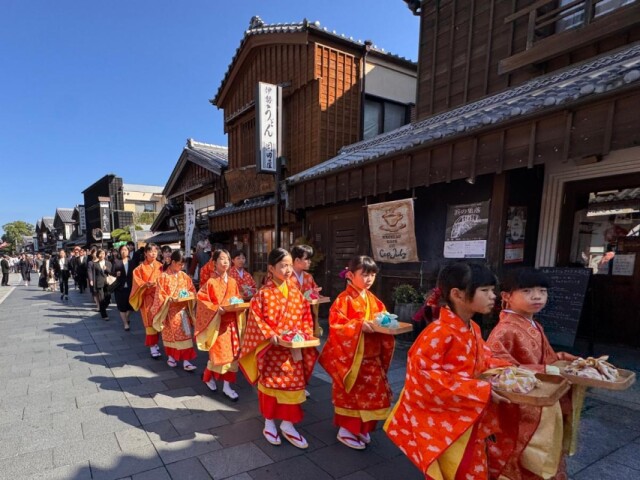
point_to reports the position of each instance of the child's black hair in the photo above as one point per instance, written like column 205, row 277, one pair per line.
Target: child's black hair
column 178, row 256
column 237, row 253
column 464, row 276
column 301, row 251
column 217, row 253
column 165, row 248
column 276, row 255
column 525, row 277
column 364, row 263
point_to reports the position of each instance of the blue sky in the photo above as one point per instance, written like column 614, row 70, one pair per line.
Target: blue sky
column 93, row 87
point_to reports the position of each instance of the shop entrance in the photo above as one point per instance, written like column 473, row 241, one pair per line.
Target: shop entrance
column 600, row 230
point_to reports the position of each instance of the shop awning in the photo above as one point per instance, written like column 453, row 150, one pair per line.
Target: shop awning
column 253, row 213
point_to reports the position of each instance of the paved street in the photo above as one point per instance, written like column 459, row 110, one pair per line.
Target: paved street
column 80, row 398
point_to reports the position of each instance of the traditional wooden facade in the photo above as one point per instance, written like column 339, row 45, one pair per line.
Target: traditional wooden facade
column 197, row 177
column 324, row 99
column 516, row 101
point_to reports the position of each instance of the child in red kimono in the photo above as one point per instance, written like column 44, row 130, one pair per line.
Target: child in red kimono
column 173, row 313
column 281, row 373
column 530, row 444
column 143, row 290
column 246, row 283
column 441, row 421
column 303, row 280
column 217, row 331
column 358, row 358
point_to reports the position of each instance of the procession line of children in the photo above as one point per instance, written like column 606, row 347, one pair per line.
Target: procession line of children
column 449, row 421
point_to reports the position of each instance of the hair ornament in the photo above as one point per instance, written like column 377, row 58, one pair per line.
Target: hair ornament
column 434, row 297
column 343, row 273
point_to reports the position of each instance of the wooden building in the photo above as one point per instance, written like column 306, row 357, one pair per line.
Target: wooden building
column 197, row 177
column 336, row 91
column 530, row 104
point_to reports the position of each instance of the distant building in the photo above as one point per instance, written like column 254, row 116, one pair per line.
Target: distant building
column 144, row 201
column 104, row 208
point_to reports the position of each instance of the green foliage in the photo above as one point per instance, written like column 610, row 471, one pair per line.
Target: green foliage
column 405, row 293
column 14, row 231
column 144, row 218
column 120, row 235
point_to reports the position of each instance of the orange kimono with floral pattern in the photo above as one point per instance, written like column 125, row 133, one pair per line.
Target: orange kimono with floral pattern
column 246, row 283
column 357, row 362
column 281, row 379
column 141, row 297
column 220, row 335
column 308, row 283
column 442, row 418
column 173, row 316
column 527, row 431
column 206, row 271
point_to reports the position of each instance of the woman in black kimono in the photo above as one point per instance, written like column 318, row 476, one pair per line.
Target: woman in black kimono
column 25, row 269
column 45, row 270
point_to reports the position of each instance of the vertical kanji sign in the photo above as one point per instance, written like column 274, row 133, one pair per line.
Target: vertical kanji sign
column 267, row 127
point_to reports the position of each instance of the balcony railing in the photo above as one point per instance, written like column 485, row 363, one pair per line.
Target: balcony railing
column 558, row 26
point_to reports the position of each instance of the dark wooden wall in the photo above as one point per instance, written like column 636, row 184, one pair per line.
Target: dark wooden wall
column 463, row 41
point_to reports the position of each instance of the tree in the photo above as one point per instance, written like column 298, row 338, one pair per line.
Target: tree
column 14, row 231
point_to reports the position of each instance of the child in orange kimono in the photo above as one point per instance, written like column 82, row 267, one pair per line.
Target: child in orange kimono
column 143, row 290
column 217, row 331
column 303, row 281
column 246, row 283
column 280, row 372
column 173, row 313
column 530, row 444
column 206, row 271
column 358, row 358
column 442, row 419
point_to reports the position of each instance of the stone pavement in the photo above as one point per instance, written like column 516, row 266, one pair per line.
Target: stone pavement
column 80, row 398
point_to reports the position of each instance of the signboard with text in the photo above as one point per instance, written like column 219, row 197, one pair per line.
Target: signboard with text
column 392, row 229
column 467, row 230
column 189, row 225
column 267, row 131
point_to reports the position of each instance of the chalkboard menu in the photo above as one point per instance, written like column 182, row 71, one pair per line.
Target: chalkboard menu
column 568, row 287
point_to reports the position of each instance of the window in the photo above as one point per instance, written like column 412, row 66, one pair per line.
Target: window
column 382, row 116
column 145, row 207
column 573, row 16
column 265, row 241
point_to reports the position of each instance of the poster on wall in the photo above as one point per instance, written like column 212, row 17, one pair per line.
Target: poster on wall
column 514, row 237
column 467, row 230
column 392, row 228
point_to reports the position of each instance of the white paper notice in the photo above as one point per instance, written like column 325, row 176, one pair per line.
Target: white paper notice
column 624, row 264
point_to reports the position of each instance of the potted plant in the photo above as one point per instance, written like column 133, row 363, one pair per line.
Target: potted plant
column 407, row 301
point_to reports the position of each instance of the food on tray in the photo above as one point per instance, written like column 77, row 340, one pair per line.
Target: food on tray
column 595, row 368
column 295, row 336
column 248, row 291
column 235, row 300
column 513, row 379
column 386, row 320
column 310, row 295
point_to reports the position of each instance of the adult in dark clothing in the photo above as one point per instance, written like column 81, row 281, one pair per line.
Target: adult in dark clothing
column 80, row 268
column 25, row 269
column 62, row 269
column 45, row 272
column 5, row 271
column 101, row 268
column 123, row 270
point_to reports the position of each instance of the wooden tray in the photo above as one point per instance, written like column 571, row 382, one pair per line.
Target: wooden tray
column 403, row 327
column 314, row 342
column 320, row 300
column 184, row 299
column 236, row 307
column 552, row 389
column 625, row 380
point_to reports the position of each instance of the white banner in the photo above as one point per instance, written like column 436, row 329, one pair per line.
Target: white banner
column 267, row 127
column 189, row 225
column 392, row 229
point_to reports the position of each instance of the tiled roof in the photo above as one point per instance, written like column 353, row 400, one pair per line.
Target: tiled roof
column 211, row 157
column 161, row 238
column 65, row 214
column 47, row 222
column 214, row 158
column 608, row 72
column 246, row 205
column 258, row 27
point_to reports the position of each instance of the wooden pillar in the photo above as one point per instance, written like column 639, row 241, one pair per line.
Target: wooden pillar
column 497, row 222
